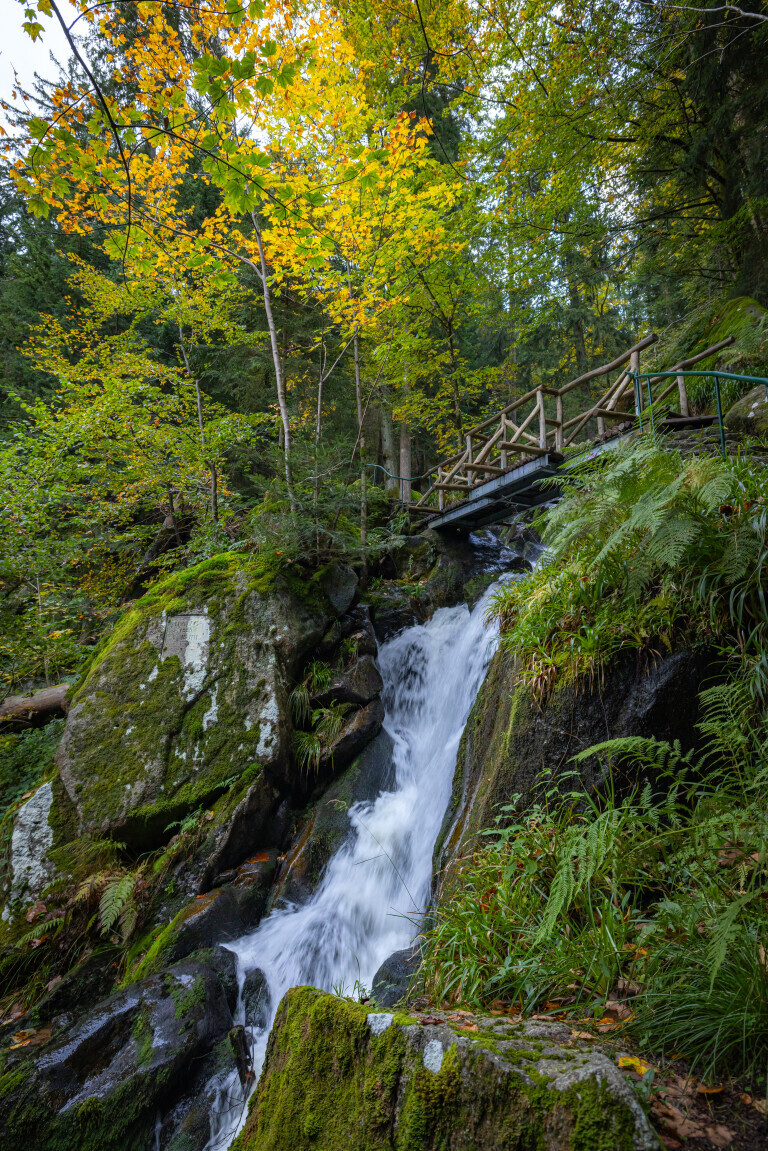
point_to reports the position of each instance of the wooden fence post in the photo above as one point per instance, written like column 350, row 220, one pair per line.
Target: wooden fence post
column 503, row 426
column 559, row 427
column 683, row 396
column 542, row 419
column 634, row 366
column 469, row 461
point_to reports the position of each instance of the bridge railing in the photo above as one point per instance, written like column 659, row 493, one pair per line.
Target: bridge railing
column 530, row 427
column 652, row 378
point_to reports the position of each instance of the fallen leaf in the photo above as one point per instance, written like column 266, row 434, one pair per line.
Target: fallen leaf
column 719, row 1134
column 617, row 1009
column 607, row 1024
column 627, row 987
column 746, row 1099
column 469, row 1027
column 760, row 1105
column 638, row 1065
column 53, row 983
column 15, row 1012
column 428, row 1020
column 702, row 1089
column 20, row 1036
column 582, row 1035
column 35, row 911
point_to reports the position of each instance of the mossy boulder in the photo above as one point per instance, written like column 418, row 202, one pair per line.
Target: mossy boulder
column 338, row 1075
column 749, row 415
column 516, row 745
column 100, row 1084
column 189, row 692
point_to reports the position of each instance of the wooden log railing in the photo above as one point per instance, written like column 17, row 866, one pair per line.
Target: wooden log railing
column 506, row 440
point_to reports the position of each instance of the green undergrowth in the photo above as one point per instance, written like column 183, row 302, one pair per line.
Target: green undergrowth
column 744, row 319
column 657, row 894
column 658, row 900
column 646, row 550
column 25, row 758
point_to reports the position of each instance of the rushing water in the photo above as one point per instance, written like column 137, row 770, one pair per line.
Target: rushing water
column 377, row 885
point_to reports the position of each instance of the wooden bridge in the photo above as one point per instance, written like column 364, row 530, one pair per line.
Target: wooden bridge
column 506, row 457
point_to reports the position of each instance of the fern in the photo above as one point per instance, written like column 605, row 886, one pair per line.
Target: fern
column 115, row 899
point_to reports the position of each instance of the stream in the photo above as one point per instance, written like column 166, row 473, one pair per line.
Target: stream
column 376, row 887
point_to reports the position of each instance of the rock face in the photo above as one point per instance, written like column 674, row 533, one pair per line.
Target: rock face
column 338, row 1075
column 358, row 686
column 32, row 839
column 434, row 570
column 189, row 692
column 510, row 740
column 101, row 1084
column 328, row 824
column 749, row 414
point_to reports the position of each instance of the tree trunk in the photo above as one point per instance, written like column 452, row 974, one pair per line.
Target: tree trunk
column 276, row 362
column 405, row 463
column 22, row 711
column 361, row 435
column 388, row 449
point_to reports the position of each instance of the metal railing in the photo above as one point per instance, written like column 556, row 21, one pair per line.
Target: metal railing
column 654, row 377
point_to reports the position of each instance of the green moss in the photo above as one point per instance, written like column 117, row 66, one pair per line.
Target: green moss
column 186, row 998
column 142, row 1034
column 122, row 1121
column 329, row 1084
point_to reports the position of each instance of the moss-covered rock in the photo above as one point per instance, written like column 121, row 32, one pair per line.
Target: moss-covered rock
column 98, row 1085
column 514, row 746
column 337, row 1076
column 188, row 693
column 750, row 414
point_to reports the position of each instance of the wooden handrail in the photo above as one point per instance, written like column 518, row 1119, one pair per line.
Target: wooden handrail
column 485, row 455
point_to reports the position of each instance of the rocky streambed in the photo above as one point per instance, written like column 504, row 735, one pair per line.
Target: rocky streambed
column 181, row 745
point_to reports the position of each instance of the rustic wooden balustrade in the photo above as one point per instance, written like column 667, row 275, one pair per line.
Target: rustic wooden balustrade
column 518, row 438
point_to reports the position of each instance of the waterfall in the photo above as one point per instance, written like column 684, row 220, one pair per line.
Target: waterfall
column 376, row 887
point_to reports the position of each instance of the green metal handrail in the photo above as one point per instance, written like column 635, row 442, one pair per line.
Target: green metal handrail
column 717, row 376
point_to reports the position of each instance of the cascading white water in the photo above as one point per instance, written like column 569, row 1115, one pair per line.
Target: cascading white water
column 376, row 886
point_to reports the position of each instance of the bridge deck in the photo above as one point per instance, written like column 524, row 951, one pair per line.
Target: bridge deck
column 492, row 501
column 477, row 486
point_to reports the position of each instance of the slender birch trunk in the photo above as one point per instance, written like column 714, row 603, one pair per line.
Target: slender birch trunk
column 361, row 435
column 276, row 361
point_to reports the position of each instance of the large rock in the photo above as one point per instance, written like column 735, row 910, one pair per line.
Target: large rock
column 189, row 691
column 358, row 731
column 101, row 1084
column 358, row 685
column 749, row 415
column 328, row 824
column 510, row 740
column 31, row 840
column 392, row 980
column 339, row 583
column 218, row 916
column 338, row 1075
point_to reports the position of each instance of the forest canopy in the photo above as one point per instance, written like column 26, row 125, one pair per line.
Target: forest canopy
column 258, row 260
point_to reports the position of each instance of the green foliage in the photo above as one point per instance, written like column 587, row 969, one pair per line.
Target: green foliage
column 311, row 747
column 317, row 677
column 25, row 757
column 646, row 548
column 585, row 896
